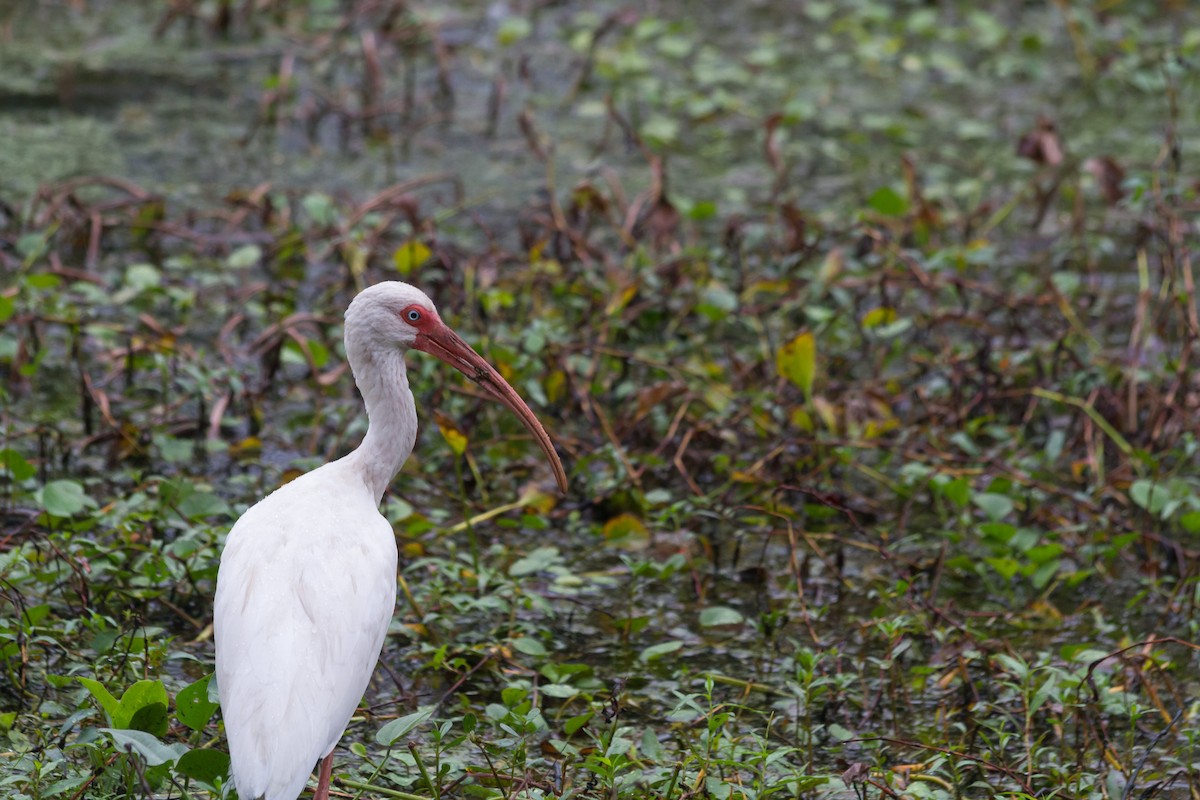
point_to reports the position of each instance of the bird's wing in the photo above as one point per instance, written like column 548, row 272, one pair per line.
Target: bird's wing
column 305, row 592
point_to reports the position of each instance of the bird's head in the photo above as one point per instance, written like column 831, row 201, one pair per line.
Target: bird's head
column 389, row 315
column 397, row 316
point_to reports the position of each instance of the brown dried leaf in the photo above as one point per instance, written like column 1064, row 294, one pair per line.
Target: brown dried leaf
column 1042, row 145
column 1109, row 175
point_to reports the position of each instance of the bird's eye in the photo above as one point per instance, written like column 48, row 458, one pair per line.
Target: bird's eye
column 413, row 315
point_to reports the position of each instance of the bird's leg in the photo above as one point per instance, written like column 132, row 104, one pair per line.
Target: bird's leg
column 322, row 792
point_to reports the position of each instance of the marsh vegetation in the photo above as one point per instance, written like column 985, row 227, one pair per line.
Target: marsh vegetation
column 865, row 330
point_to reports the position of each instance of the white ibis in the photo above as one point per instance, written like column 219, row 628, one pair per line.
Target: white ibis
column 307, row 583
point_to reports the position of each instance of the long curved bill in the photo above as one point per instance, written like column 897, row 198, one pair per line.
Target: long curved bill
column 444, row 343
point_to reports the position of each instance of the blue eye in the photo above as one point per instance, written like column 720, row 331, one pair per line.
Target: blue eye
column 413, row 315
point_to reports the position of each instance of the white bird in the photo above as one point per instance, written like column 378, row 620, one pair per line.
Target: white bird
column 307, row 583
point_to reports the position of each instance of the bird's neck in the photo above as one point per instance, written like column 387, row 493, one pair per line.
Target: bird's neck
column 392, row 418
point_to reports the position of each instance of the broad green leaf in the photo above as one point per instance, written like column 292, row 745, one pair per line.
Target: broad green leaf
column 33, row 615
column 657, row 651
column 201, row 504
column 144, row 708
column 797, row 361
column 206, row 766
column 513, row 29
column 535, row 561
column 1150, row 495
column 1005, row 567
column 145, row 745
column 1002, row 532
column 882, row 315
column 15, row 464
column 714, row 616
column 151, row 718
column 42, row 280
column 410, row 255
column 575, row 723
column 245, row 257
column 109, row 704
column 626, row 532
column 1013, row 664
column 141, row 277
column 841, row 733
column 717, row 302
column 319, row 207
column 995, row 506
column 396, row 729
column 529, row 646
column 559, row 690
column 652, row 748
column 957, row 491
column 1190, row 521
column 192, row 706
column 64, row 498
column 888, row 201
column 7, row 308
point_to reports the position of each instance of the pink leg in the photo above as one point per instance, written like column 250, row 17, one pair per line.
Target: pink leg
column 322, row 792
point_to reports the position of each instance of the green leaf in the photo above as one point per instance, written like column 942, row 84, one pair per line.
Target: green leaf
column 559, row 690
column 528, row 646
column 192, row 706
column 1190, row 521
column 887, row 201
column 202, row 503
column 661, row 130
column 880, row 315
column 206, row 766
column 141, row 277
column 411, row 255
column 151, row 718
column 714, row 616
column 398, row 728
column 319, row 208
column 1013, row 664
column 109, row 704
column 797, row 361
column 994, row 506
column 717, row 302
column 657, row 651
column 842, row 734
column 627, row 532
column 145, row 745
column 535, row 561
column 144, row 708
column 957, row 491
column 245, row 257
column 15, row 464
column 700, row 211
column 513, row 29
column 7, row 308
column 1150, row 495
column 1005, row 567
column 575, row 723
column 64, row 498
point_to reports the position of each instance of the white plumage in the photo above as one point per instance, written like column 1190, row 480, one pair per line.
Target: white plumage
column 307, row 582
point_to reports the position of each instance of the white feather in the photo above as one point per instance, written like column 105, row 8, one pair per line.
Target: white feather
column 305, row 592
column 307, row 583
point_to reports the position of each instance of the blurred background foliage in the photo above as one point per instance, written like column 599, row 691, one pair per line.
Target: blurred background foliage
column 865, row 330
